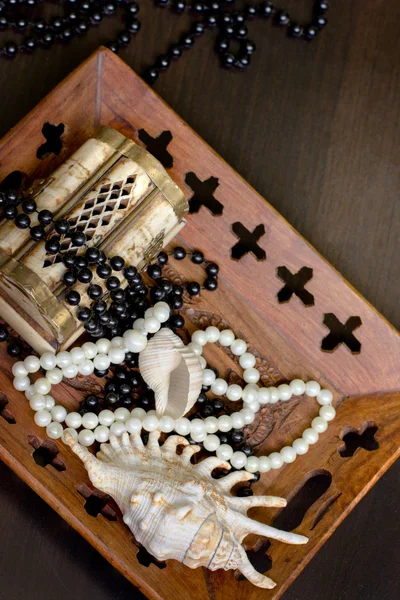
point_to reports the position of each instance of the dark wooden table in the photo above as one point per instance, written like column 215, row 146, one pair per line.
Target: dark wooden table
column 315, row 129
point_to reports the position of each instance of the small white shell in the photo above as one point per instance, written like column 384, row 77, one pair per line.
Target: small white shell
column 173, row 372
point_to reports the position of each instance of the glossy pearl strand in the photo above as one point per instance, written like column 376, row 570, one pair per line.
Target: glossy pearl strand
column 98, row 427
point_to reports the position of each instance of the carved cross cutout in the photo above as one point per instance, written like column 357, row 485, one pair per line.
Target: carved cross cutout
column 295, row 285
column 203, row 194
column 146, row 559
column 248, row 242
column 358, row 438
column 4, row 411
column 96, row 502
column 341, row 333
column 53, row 143
column 46, row 453
column 158, row 146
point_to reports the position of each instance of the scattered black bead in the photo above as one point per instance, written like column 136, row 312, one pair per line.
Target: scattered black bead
column 224, row 438
column 78, row 238
column 93, row 255
column 266, row 9
column 112, row 283
column 247, row 449
column 117, row 263
column 91, row 402
column 61, row 226
column 207, row 410
column 10, row 212
column 154, row 271
column 134, row 26
column 22, row 221
column 295, row 30
column 211, row 284
column 11, row 49
column 37, row 233
column 3, row 333
column 310, row 32
column 111, row 399
column 95, row 291
column 103, row 271
column 101, row 373
column 45, row 217
column 237, row 436
column 69, row 259
column 130, row 272
column 218, row 405
column 85, row 275
column 193, row 288
column 73, row 298
column 14, row 349
column 52, row 245
column 162, row 258
column 176, row 322
column 28, row 206
column 244, row 491
column 84, row 314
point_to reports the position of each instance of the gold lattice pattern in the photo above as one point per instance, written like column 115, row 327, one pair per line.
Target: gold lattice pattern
column 95, row 216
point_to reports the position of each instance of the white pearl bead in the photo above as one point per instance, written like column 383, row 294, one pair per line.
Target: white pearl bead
column 58, row 413
column 213, row 334
column 224, row 451
column 42, row 418
column 219, row 387
column 118, row 342
column 149, row 312
column 200, row 337
column 138, row 413
column 54, row 430
column 18, row 369
column 138, row 325
column 276, row 460
column 310, row 436
column 251, row 375
column 252, row 464
column 211, row 424
column 226, row 337
column 101, row 362
column 197, row 426
column 118, row 428
column 167, row 424
column 247, row 360
column 208, row 377
column 106, row 417
column 195, row 348
column 164, row 304
column 182, row 426
column 300, row 446
column 312, row 389
column 70, row 371
column 263, row 396
column 237, row 420
column 54, row 376
column 238, row 460
column 90, row 420
column 152, row 324
column 134, row 340
column 324, row 397
column 273, row 395
column 86, row 367
column 199, row 436
column 327, row 412
column 225, row 423
column 211, row 443
column 161, row 313
column 288, row 454
column 116, row 356
column 86, row 437
column 32, row 364
column 133, row 425
column 73, row 420
column 30, row 392
column 122, row 414
column 254, row 405
column 77, row 355
column 203, row 362
column 50, row 402
column 37, row 402
column 103, row 346
column 319, row 424
column 22, row 384
column 150, row 422
column 264, row 464
column 238, row 347
column 248, row 415
column 250, row 393
column 63, row 359
column 234, row 392
column 42, row 386
column 102, row 434
column 298, row 387
column 71, row 432
column 90, row 350
column 285, row 392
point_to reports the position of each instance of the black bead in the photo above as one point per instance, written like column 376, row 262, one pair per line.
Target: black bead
column 111, row 386
column 113, row 283
column 247, row 449
column 282, row 18
column 91, row 326
column 211, row 284
column 14, row 349
column 69, row 259
column 61, row 226
column 91, row 402
column 166, row 285
column 81, row 27
column 154, row 271
column 28, row 206
column 243, row 62
column 81, row 262
column 22, row 221
column 10, row 212
column 218, row 405
column 162, row 258
column 93, row 255
column 201, row 399
column 73, row 298
column 12, row 197
column 85, row 275
column 3, row 333
column 321, row 6
column 237, row 436
column 124, row 38
column 187, row 41
column 320, row 22
column 135, row 380
column 224, row 438
column 105, row 318
column 101, row 373
column 222, row 45
column 176, row 303
column 179, row 5
column 193, row 288
column 130, row 273
column 266, row 9
column 3, row 22
column 95, row 291
column 179, row 253
column 198, row 28
column 121, row 375
column 117, row 263
column 125, row 389
column 52, row 245
column 134, row 26
column 163, row 62
column 103, row 271
column 100, row 307
column 118, row 295
column 251, row 11
column 11, row 49
column 37, row 233
column 151, row 75
column 78, row 238
column 84, row 314
column 132, row 360
column 175, row 52
column 156, row 294
column 228, row 60
column 96, row 17
column 66, row 34
column 30, row 43
column 244, row 491
column 256, row 477
column 111, row 399
column 132, row 8
column 47, row 39
column 57, row 23
column 176, row 322
column 197, row 257
column 249, row 47
column 212, row 269
column 126, row 401
column 295, row 30
column 241, row 31
column 207, row 410
column 162, row 3
column 198, row 7
column 310, row 32
column 110, row 8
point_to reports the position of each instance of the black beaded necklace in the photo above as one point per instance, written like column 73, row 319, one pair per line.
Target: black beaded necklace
column 219, row 15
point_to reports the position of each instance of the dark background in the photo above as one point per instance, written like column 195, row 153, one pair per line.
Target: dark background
column 315, row 129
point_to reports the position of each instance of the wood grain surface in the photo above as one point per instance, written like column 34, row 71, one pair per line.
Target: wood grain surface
column 314, row 128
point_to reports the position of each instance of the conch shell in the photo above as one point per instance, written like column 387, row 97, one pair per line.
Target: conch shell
column 173, row 372
column 174, row 508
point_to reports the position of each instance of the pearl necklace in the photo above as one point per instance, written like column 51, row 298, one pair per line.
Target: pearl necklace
column 83, row 360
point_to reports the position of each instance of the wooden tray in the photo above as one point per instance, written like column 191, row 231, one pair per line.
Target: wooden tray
column 327, row 332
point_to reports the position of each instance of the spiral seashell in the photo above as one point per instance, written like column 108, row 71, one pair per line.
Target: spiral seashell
column 173, row 372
